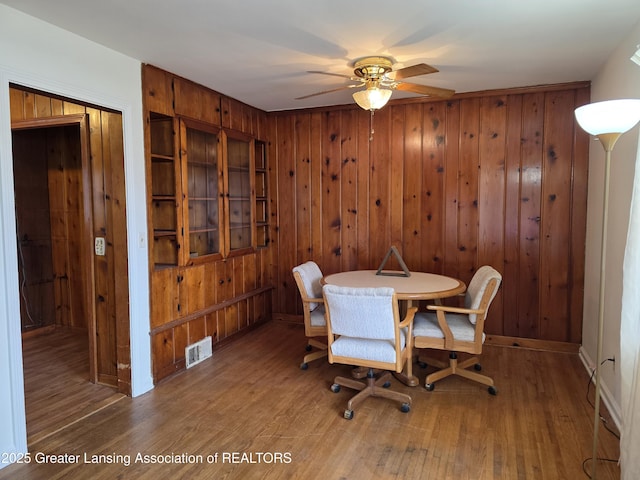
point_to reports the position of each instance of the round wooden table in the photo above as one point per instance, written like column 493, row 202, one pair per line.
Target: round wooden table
column 417, row 286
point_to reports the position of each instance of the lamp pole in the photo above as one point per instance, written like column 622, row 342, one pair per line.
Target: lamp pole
column 608, row 140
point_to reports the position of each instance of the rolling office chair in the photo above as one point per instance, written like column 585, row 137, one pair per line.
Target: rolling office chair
column 459, row 329
column 364, row 329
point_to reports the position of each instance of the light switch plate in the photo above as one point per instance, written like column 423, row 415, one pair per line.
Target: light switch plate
column 99, row 246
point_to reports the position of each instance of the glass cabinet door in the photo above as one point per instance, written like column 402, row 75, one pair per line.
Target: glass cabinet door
column 239, row 192
column 201, row 159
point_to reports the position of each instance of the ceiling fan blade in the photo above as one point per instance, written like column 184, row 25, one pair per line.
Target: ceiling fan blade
column 332, row 74
column 344, row 87
column 412, row 71
column 425, row 90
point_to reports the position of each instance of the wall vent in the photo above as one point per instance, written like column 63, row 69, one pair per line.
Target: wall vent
column 199, row 351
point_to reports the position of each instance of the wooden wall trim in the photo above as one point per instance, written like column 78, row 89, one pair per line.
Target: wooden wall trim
column 532, row 344
column 457, row 96
column 213, row 308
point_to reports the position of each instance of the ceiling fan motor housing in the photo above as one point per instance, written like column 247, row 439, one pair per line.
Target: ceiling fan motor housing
column 372, row 68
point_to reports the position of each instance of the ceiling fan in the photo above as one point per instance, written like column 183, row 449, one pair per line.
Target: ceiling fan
column 376, row 74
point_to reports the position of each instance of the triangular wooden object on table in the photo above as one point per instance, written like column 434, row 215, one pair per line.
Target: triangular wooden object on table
column 405, row 271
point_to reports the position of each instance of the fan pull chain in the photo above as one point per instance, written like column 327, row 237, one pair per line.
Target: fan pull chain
column 371, row 131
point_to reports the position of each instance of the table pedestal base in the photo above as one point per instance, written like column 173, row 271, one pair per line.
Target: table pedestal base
column 408, row 380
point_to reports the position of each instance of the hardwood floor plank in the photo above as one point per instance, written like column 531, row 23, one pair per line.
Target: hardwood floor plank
column 252, row 399
column 56, row 378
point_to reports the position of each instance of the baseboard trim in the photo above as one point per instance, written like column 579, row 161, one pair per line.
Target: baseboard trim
column 605, row 394
column 532, row 343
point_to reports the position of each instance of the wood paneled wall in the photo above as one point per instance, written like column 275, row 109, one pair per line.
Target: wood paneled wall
column 494, row 178
column 39, row 286
column 105, row 180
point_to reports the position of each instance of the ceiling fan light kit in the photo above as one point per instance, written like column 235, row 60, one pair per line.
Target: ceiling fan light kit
column 373, row 98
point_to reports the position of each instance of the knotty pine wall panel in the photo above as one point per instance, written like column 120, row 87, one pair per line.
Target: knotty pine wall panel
column 490, row 178
column 349, row 190
column 303, row 184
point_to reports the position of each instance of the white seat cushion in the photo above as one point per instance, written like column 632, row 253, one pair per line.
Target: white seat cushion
column 317, row 317
column 426, row 325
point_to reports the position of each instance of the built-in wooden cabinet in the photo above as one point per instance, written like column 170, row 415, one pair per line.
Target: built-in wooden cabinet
column 202, row 195
column 207, row 187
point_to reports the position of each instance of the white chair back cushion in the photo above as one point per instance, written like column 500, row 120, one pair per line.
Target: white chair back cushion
column 311, row 276
column 361, row 312
column 477, row 287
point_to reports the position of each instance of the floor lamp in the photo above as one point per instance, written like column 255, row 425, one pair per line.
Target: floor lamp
column 608, row 121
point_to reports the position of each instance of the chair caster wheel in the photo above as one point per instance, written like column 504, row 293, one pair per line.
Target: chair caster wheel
column 308, row 348
column 348, row 414
column 493, row 390
column 477, row 367
column 386, row 384
column 304, row 366
column 422, row 364
column 405, row 408
column 335, row 388
column 429, row 386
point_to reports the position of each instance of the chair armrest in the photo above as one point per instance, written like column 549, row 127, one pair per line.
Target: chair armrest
column 313, row 300
column 442, row 321
column 446, row 308
column 408, row 318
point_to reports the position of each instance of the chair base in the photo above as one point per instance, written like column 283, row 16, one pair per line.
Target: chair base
column 455, row 368
column 310, row 357
column 374, row 387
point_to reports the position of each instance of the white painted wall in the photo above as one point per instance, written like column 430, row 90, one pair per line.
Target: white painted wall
column 619, row 77
column 39, row 55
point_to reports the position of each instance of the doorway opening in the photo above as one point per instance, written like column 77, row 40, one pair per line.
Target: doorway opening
column 69, row 197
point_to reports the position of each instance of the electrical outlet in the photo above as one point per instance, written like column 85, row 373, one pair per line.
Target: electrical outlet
column 99, row 246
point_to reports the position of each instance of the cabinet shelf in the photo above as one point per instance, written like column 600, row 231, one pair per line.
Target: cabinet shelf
column 203, row 199
column 195, row 163
column 164, row 233
column 161, row 158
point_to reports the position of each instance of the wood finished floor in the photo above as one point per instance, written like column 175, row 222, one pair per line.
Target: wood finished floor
column 56, row 382
column 252, row 398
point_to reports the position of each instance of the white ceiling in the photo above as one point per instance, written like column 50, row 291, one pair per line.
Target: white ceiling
column 260, row 51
